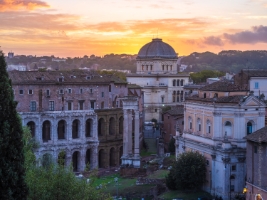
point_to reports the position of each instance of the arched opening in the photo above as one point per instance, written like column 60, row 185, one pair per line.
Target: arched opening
column 101, row 124
column 31, row 126
column 182, row 82
column 112, row 157
column 46, row 131
column 174, row 82
column 190, row 123
column 178, row 82
column 173, row 96
column 61, row 159
column 101, row 158
column 204, row 95
column 88, row 159
column 61, row 129
column 121, row 125
column 120, row 154
column 208, row 127
column 88, row 128
column 198, row 124
column 228, row 128
column 112, row 129
column 47, row 160
column 178, row 96
column 75, row 161
column 249, row 128
column 182, row 95
column 75, row 129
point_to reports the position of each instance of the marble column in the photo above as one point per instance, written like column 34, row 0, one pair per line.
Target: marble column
column 130, row 133
column 136, row 134
column 125, row 133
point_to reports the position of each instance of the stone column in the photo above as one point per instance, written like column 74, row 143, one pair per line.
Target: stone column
column 125, row 133
column 53, row 130
column 68, row 158
column 82, row 160
column 94, row 156
column 69, row 129
column 82, row 129
column 130, row 133
column 136, row 134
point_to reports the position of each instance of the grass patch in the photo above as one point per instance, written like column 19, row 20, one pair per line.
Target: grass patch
column 145, row 153
column 190, row 195
column 159, row 174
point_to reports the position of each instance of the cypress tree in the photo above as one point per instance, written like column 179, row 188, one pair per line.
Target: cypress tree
column 12, row 172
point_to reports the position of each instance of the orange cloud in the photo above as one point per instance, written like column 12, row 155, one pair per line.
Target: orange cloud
column 14, row 5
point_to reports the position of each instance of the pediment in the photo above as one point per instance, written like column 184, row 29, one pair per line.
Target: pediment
column 253, row 101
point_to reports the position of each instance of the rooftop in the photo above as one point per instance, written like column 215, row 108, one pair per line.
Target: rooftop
column 222, row 86
column 258, row 136
column 175, row 110
column 255, row 72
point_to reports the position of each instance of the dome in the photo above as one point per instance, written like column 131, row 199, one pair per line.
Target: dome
column 157, row 49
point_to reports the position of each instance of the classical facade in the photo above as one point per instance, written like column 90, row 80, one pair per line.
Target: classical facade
column 216, row 122
column 75, row 112
column 157, row 74
column 256, row 184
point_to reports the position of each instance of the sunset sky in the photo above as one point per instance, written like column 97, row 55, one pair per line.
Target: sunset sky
column 84, row 27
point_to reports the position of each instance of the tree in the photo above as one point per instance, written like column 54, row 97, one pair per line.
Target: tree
column 54, row 181
column 188, row 172
column 12, row 172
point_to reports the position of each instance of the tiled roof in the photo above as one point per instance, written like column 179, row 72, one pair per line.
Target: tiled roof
column 134, row 86
column 258, row 136
column 51, row 77
column 228, row 99
column 223, row 86
column 175, row 110
column 255, row 72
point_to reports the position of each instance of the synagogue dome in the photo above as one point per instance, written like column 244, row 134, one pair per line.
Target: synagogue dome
column 157, row 49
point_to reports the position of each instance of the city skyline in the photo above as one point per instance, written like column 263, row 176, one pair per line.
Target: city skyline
column 87, row 27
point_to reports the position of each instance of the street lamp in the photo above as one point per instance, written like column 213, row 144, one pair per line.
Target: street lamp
column 116, row 181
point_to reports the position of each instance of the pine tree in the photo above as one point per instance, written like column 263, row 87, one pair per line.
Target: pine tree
column 12, row 172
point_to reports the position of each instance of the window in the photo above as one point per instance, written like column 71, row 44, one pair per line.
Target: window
column 249, row 128
column 61, row 91
column 156, row 110
column 60, row 79
column 102, row 94
column 228, row 128
column 109, row 88
column 69, row 105
column 174, row 83
column 190, row 122
column 162, row 67
column 182, row 82
column 81, row 105
column 69, row 91
column 256, row 85
column 207, row 162
column 142, row 67
column 232, row 188
column 51, row 105
column 48, row 93
column 151, row 67
column 208, row 126
column 162, row 99
column 33, row 106
column 20, row 91
column 182, row 122
column 81, row 90
column 30, row 91
column 178, row 82
column 90, row 90
column 199, row 124
column 233, row 167
column 92, row 104
column 255, row 149
column 204, row 95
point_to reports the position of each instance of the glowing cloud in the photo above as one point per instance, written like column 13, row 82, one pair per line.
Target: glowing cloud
column 14, row 5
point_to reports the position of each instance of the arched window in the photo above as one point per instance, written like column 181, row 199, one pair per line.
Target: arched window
column 46, row 131
column 204, row 95
column 174, row 82
column 111, row 126
column 112, row 157
column 182, row 95
column 61, row 129
column 31, row 126
column 75, row 128
column 249, row 128
column 208, row 126
column 198, row 124
column 178, row 96
column 190, row 123
column 182, row 82
column 178, row 82
column 228, row 128
column 173, row 96
column 75, row 161
column 88, row 127
column 101, row 126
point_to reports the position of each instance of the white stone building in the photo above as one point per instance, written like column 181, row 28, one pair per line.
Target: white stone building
column 157, row 74
column 216, row 123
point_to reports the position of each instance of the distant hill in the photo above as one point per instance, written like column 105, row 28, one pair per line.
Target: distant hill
column 226, row 61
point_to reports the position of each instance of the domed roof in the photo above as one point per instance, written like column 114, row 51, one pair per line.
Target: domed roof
column 157, row 49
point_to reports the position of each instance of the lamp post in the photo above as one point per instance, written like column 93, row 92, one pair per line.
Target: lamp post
column 116, row 181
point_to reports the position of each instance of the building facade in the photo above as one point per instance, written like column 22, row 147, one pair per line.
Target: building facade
column 256, row 180
column 157, row 74
column 216, row 122
column 74, row 112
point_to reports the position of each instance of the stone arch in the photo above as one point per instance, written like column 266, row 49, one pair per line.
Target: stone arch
column 46, row 131
column 88, row 157
column 120, row 154
column 101, row 127
column 31, row 126
column 75, row 161
column 89, row 128
column 101, row 158
column 112, row 157
column 121, row 125
column 112, row 126
column 250, row 127
column 75, row 128
column 47, row 160
column 61, row 129
column 228, row 128
column 174, row 82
